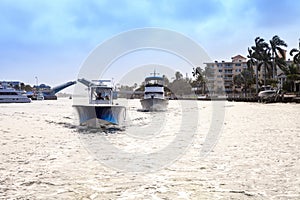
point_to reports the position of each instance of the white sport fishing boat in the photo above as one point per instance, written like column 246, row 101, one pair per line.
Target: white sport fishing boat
column 101, row 109
column 10, row 95
column 154, row 96
column 267, row 93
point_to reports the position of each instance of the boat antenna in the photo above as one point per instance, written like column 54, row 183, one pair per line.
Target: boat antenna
column 154, row 73
column 37, row 84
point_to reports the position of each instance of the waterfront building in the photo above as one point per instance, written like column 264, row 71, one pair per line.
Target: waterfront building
column 221, row 75
column 220, row 78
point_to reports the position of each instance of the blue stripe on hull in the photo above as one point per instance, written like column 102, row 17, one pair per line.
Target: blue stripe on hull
column 111, row 114
column 106, row 114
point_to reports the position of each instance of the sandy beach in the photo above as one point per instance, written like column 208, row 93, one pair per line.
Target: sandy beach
column 257, row 155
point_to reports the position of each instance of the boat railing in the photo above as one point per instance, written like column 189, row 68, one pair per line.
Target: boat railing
column 153, row 95
column 96, row 101
column 154, row 89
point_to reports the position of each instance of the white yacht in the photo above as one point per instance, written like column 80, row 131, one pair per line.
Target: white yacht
column 154, row 96
column 10, row 95
column 100, row 109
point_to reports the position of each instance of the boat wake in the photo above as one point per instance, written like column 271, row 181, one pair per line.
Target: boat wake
column 86, row 129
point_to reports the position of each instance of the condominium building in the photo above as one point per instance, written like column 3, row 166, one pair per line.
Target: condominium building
column 221, row 75
column 220, row 78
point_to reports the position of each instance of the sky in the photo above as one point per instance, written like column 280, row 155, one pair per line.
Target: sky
column 51, row 39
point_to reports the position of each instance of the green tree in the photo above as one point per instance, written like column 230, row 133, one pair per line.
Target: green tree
column 17, row 87
column 238, row 80
column 178, row 75
column 261, row 53
column 245, row 78
column 292, row 75
column 22, row 86
column 278, row 54
column 180, row 86
column 250, row 64
column 166, row 80
column 200, row 81
column 296, row 57
column 28, row 88
column 265, row 63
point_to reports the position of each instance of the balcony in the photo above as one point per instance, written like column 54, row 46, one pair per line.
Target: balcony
column 228, row 84
column 228, row 78
column 227, row 72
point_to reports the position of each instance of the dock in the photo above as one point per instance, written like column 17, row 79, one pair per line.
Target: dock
column 282, row 99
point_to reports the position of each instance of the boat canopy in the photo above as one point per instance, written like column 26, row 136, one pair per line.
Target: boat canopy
column 154, row 78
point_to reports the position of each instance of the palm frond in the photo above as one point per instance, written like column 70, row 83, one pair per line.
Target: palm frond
column 294, row 51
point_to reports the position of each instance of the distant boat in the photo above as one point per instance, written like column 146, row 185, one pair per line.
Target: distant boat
column 40, row 96
column 10, row 95
column 101, row 109
column 154, row 96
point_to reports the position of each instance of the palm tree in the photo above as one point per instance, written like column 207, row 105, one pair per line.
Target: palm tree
column 197, row 72
column 260, row 45
column 278, row 54
column 178, row 75
column 22, row 86
column 199, row 78
column 253, row 62
column 296, row 57
column 261, row 53
column 246, row 78
column 266, row 63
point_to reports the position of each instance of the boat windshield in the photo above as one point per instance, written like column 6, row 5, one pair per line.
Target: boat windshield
column 154, row 82
column 154, row 93
column 266, row 87
column 101, row 95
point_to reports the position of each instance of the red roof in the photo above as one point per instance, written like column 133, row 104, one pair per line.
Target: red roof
column 237, row 57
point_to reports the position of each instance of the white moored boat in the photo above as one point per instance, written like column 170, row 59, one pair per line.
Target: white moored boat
column 266, row 94
column 10, row 95
column 100, row 109
column 154, row 96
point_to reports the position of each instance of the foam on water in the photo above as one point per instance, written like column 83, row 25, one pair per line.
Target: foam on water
column 43, row 156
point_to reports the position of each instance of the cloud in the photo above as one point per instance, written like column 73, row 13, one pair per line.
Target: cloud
column 54, row 29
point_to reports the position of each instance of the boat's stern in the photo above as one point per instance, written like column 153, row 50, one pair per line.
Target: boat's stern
column 101, row 114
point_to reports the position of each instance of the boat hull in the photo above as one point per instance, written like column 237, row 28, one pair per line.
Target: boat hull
column 103, row 114
column 15, row 99
column 267, row 96
column 154, row 104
